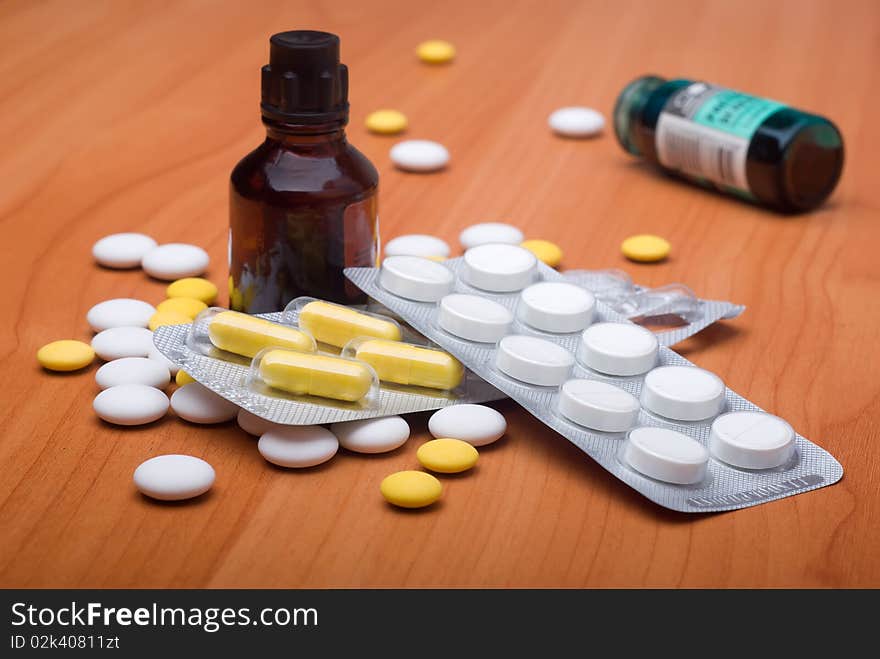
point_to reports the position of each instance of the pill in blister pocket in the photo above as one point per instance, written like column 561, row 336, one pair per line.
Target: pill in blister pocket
column 618, row 348
column 598, row 405
column 308, row 374
column 402, row 363
column 415, row 278
column 490, row 232
column 751, row 440
column 666, row 455
column 499, row 268
column 474, row 318
column 533, row 360
column 246, row 335
column 685, row 393
column 554, row 306
column 336, row 325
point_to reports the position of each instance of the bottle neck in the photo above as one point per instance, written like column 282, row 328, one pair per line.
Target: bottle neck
column 302, row 134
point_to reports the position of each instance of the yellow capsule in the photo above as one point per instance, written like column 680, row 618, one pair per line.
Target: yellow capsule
column 308, row 374
column 187, row 306
column 435, row 51
column 65, row 355
column 544, row 250
column 645, row 248
column 246, row 335
column 183, row 378
column 447, row 456
column 194, row 287
column 402, row 363
column 411, row 489
column 162, row 318
column 337, row 325
column 386, row 122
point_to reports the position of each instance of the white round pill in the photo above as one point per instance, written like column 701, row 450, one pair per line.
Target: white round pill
column 499, row 268
column 253, row 424
column 576, row 122
column 618, row 348
column 156, row 355
column 119, row 342
column 533, row 360
column 120, row 312
column 132, row 370
column 490, row 232
column 666, row 455
column 175, row 261
column 196, row 403
column 751, row 440
column 474, row 318
column 685, row 393
column 416, row 244
column 378, row 435
column 415, row 278
column 419, row 155
column 598, row 405
column 554, row 306
column 298, row 446
column 122, row 250
column 130, row 404
column 174, row 477
column 477, row 425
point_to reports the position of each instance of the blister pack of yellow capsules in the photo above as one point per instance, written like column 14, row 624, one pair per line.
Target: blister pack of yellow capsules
column 319, row 362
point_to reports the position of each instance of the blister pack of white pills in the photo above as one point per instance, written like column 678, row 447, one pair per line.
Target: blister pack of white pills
column 672, row 431
column 673, row 304
column 319, row 362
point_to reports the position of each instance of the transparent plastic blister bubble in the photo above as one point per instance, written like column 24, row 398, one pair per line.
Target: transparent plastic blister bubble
column 333, row 325
column 233, row 371
column 673, row 305
column 616, row 392
column 238, row 337
column 312, row 377
column 409, row 366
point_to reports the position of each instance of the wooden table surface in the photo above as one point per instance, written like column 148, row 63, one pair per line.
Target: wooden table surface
column 129, row 116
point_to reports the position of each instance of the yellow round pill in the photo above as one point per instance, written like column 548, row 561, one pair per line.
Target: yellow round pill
column 183, row 378
column 65, row 355
column 162, row 318
column 187, row 306
column 194, row 287
column 544, row 250
column 447, row 456
column 645, row 247
column 435, row 51
column 386, row 122
column 411, row 489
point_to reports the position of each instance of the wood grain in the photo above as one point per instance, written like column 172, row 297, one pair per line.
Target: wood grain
column 122, row 116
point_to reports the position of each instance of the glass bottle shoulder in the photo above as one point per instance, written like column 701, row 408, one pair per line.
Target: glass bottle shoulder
column 324, row 170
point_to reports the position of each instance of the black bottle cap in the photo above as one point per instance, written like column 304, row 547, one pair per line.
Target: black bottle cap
column 304, row 82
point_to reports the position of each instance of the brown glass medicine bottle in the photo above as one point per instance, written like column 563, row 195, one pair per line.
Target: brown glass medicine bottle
column 303, row 203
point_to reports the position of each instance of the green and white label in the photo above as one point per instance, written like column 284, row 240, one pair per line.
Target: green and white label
column 704, row 131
